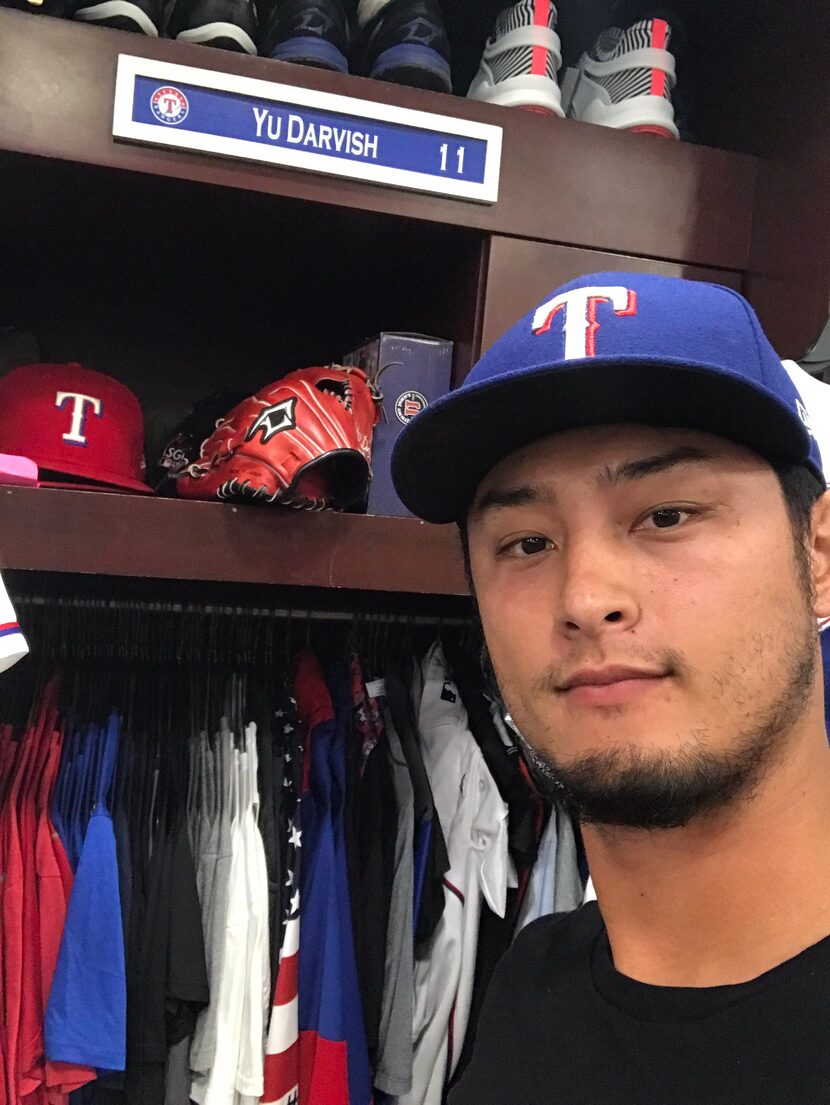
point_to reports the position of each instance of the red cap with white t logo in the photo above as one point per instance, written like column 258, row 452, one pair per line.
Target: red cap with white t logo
column 74, row 422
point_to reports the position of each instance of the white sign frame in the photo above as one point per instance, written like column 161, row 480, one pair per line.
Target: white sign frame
column 125, row 128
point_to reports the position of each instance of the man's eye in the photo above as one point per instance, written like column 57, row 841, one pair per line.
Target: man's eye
column 526, row 546
column 667, row 517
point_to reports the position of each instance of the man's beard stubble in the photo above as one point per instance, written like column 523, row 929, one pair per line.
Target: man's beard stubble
column 666, row 790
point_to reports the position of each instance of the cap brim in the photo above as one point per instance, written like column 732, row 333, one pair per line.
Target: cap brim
column 83, row 480
column 445, row 452
column 80, row 485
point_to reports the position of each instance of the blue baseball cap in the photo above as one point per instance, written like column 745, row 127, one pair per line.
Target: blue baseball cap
column 611, row 347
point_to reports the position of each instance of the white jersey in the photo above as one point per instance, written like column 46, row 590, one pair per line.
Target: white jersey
column 816, row 398
column 473, row 819
column 13, row 644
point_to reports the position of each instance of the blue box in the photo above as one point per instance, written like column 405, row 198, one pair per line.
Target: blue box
column 410, row 371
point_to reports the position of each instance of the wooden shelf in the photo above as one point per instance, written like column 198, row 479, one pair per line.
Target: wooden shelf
column 561, row 181
column 52, row 530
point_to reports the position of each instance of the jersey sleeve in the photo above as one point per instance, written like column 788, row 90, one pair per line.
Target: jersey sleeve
column 13, row 645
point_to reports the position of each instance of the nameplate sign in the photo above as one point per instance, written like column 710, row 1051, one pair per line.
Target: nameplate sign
column 244, row 118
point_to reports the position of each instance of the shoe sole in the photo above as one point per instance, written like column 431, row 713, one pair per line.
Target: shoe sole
column 530, row 92
column 120, row 14
column 652, row 112
column 413, row 65
column 658, row 132
column 305, row 50
column 224, row 36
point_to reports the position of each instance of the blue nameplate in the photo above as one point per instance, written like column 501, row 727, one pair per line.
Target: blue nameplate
column 245, row 118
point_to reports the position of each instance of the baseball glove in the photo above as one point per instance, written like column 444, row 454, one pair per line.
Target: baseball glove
column 304, row 441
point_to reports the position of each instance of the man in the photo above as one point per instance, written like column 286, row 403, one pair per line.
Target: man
column 643, row 513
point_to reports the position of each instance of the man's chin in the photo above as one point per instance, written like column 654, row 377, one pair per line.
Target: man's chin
column 641, row 785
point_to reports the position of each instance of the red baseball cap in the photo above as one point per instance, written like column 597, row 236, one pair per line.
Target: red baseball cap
column 75, row 422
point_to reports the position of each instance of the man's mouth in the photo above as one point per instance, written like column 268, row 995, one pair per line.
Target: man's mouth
column 611, row 685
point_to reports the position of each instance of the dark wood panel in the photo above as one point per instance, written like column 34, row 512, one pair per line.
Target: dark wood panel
column 51, row 530
column 520, row 274
column 561, row 181
column 783, row 118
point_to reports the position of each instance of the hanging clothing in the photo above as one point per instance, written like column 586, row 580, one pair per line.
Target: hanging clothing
column 370, row 837
column 166, row 973
column 250, row 1065
column 501, row 756
column 13, row 645
column 213, row 881
column 540, row 897
column 393, row 1069
column 333, row 1061
column 86, row 1019
column 504, row 764
column 430, row 859
column 161, row 813
column 240, row 984
column 282, row 1053
column 568, row 890
column 269, row 788
column 35, row 891
column 474, row 820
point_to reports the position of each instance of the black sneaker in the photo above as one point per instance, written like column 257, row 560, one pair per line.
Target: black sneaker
column 406, row 43
column 307, row 32
column 226, row 24
column 140, row 16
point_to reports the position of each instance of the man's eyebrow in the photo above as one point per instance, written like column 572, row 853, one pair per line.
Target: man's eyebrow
column 498, row 497
column 650, row 466
column 530, row 494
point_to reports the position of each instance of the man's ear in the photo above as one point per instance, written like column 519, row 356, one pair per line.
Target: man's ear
column 820, row 555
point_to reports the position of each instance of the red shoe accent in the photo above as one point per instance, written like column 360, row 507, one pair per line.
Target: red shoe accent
column 649, row 128
column 539, row 60
column 537, row 110
column 659, row 34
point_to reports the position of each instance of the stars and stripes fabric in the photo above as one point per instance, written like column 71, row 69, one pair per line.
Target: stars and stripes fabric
column 282, row 1054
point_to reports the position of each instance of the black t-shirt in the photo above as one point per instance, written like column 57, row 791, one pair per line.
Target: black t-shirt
column 561, row 1026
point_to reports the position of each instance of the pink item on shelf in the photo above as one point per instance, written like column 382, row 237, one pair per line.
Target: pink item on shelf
column 18, row 470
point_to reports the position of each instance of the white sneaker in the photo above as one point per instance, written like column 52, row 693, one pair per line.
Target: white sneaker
column 626, row 80
column 521, row 59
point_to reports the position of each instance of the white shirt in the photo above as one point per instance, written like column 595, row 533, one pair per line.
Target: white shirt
column 250, row 1065
column 13, row 644
column 816, row 398
column 217, row 1085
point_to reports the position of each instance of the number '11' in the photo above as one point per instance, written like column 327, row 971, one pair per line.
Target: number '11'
column 460, row 155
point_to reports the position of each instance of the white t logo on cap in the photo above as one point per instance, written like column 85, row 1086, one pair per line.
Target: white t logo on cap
column 804, row 415
column 81, row 405
column 580, row 307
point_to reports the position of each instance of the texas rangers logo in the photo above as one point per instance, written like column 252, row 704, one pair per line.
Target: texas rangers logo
column 80, row 407
column 409, row 404
column 273, row 420
column 580, row 310
column 169, row 105
column 804, row 415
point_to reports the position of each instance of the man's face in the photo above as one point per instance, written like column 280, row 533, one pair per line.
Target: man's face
column 645, row 615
